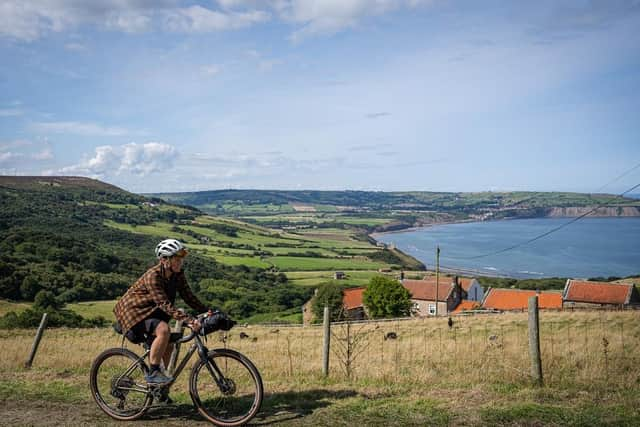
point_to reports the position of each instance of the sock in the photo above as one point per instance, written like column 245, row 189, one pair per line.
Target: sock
column 154, row 368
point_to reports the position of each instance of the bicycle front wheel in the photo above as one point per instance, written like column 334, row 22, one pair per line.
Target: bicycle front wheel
column 226, row 388
column 118, row 385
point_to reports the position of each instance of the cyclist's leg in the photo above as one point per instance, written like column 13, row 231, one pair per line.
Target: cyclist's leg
column 166, row 357
column 160, row 329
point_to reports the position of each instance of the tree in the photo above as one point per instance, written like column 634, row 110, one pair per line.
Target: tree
column 385, row 297
column 328, row 294
column 46, row 300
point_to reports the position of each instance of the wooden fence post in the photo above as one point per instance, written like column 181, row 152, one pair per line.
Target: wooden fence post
column 534, row 341
column 326, row 341
column 36, row 342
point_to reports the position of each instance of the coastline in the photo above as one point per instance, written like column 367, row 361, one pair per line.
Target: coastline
column 419, row 227
column 535, row 265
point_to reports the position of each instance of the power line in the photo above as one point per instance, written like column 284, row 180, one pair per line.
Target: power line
column 550, row 231
column 618, row 177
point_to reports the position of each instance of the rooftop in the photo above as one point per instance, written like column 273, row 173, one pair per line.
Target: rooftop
column 518, row 299
column 597, row 292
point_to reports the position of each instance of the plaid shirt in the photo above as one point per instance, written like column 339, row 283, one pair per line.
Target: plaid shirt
column 149, row 293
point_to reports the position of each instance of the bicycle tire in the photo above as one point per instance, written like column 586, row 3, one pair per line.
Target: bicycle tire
column 108, row 395
column 246, row 389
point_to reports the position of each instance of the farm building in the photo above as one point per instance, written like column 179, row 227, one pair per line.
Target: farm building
column 518, row 299
column 582, row 293
column 425, row 295
column 466, row 305
column 352, row 302
column 472, row 288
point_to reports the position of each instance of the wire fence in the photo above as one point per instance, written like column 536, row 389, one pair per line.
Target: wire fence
column 583, row 350
column 577, row 348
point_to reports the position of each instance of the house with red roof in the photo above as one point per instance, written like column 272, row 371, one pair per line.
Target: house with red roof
column 466, row 305
column 584, row 293
column 518, row 299
column 352, row 302
column 429, row 293
column 423, row 296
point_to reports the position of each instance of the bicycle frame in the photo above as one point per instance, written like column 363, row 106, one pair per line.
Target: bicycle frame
column 198, row 345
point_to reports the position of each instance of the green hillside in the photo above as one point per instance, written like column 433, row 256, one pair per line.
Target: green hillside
column 80, row 239
column 84, row 240
column 383, row 211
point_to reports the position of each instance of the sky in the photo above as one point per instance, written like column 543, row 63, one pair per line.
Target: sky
column 420, row 95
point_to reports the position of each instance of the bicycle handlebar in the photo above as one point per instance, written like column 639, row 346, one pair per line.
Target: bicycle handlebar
column 193, row 333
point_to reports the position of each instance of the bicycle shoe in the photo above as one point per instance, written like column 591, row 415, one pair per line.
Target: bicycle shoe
column 156, row 378
column 164, row 398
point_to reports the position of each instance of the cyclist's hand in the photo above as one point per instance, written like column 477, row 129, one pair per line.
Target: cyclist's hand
column 195, row 325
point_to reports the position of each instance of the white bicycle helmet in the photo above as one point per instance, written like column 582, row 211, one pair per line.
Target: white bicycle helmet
column 169, row 248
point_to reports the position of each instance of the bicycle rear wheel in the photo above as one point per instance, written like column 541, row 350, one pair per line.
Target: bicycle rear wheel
column 239, row 397
column 118, row 385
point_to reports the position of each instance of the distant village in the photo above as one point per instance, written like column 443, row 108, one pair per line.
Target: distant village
column 447, row 295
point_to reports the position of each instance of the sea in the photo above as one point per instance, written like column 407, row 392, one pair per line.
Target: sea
column 586, row 248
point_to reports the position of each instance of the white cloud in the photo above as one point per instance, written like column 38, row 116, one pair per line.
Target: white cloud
column 136, row 159
column 29, row 21
column 9, row 156
column 129, row 21
column 197, row 19
column 80, row 128
column 332, row 16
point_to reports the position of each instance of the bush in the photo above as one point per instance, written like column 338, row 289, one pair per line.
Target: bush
column 31, row 317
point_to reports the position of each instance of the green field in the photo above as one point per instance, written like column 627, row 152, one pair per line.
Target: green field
column 314, row 278
column 92, row 309
column 255, row 246
column 17, row 307
column 299, row 263
column 159, row 229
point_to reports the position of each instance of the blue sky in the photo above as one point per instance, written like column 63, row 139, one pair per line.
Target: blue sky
column 173, row 95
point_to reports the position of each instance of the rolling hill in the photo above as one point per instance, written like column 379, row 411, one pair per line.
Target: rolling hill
column 84, row 240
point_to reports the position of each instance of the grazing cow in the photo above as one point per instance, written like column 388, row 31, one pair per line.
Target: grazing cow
column 243, row 335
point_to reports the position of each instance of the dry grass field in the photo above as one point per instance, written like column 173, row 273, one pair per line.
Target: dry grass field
column 474, row 373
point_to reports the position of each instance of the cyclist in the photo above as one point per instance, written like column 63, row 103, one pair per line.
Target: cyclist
column 148, row 305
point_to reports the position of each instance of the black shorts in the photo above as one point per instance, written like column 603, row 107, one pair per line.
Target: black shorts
column 149, row 325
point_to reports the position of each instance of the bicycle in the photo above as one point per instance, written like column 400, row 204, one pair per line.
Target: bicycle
column 230, row 395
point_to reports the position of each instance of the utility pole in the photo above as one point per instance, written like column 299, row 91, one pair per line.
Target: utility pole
column 437, row 276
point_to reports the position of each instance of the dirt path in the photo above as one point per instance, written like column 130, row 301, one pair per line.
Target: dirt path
column 278, row 409
column 39, row 413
